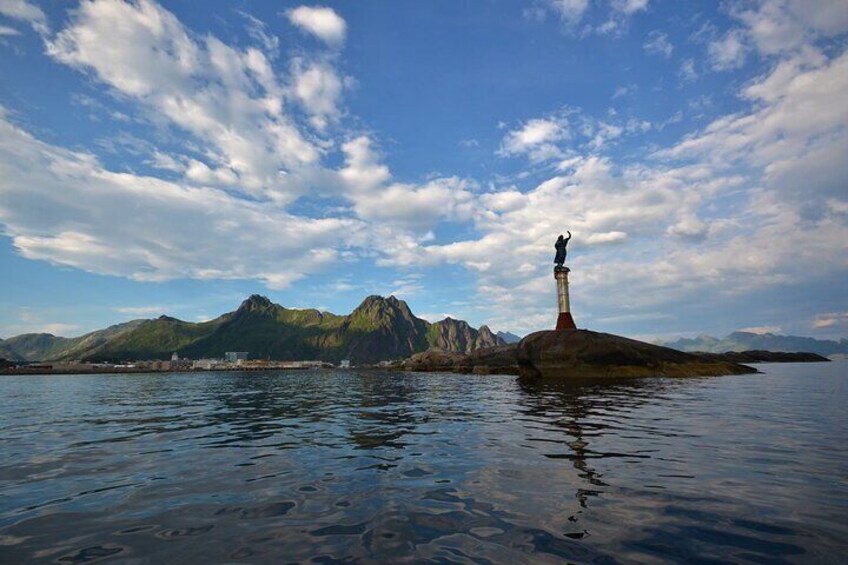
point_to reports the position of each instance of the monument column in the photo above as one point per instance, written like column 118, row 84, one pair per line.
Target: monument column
column 564, row 320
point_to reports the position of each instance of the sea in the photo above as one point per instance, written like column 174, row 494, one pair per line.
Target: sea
column 381, row 467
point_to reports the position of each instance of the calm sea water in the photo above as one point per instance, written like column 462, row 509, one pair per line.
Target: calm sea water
column 375, row 467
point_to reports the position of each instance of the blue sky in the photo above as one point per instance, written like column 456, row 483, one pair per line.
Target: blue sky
column 163, row 158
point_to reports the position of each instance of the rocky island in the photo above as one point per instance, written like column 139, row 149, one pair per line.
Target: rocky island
column 576, row 354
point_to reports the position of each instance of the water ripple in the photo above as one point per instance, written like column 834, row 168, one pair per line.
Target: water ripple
column 325, row 466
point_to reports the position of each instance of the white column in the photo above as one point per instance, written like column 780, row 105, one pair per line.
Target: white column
column 561, row 275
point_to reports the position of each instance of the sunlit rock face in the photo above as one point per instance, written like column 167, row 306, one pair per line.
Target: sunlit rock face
column 574, row 354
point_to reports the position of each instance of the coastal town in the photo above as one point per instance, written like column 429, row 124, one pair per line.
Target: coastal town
column 231, row 361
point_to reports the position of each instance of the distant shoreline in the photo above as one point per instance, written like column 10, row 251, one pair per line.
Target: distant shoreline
column 143, row 371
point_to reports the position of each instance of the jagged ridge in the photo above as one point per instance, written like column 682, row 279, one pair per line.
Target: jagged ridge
column 378, row 329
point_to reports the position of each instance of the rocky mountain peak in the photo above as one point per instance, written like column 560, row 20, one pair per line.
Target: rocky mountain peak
column 164, row 318
column 376, row 306
column 256, row 303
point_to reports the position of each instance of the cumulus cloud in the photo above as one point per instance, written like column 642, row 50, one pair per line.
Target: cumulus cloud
column 537, row 139
column 228, row 99
column 709, row 213
column 66, row 208
column 783, row 26
column 318, row 88
column 322, row 22
column 777, row 163
column 794, row 130
column 418, row 207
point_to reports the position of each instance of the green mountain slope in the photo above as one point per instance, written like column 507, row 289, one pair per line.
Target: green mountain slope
column 8, row 353
column 154, row 339
column 48, row 347
column 378, row 329
column 267, row 331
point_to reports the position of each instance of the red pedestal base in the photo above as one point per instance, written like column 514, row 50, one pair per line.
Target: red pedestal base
column 565, row 322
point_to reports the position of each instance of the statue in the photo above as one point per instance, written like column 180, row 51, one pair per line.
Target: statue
column 561, row 252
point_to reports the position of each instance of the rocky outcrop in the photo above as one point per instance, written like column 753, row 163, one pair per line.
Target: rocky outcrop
column 575, row 354
column 498, row 360
column 757, row 356
column 434, row 360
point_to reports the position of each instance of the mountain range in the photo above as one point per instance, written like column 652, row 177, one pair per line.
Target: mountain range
column 379, row 329
column 746, row 341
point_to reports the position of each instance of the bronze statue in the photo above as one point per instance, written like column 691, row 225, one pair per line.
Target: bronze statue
column 561, row 252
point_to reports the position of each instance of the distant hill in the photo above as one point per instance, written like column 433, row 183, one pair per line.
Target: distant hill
column 508, row 337
column 746, row 341
column 42, row 346
column 8, row 353
column 378, row 329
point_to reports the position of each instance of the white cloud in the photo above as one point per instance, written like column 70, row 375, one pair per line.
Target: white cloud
column 140, row 311
column 24, row 11
column 363, row 170
column 323, row 22
column 60, row 329
column 717, row 208
column 319, row 89
column 228, row 99
column 571, row 11
column 728, row 52
column 537, row 139
column 687, row 71
column 658, row 44
column 783, row 26
column 831, row 320
column 66, row 208
column 258, row 31
column 793, row 134
column 606, row 238
column 8, row 31
column 417, row 207
column 760, row 330
column 629, row 7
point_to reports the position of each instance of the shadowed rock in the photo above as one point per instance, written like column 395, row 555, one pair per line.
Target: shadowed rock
column 489, row 361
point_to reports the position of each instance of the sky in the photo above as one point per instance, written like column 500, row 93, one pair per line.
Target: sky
column 176, row 157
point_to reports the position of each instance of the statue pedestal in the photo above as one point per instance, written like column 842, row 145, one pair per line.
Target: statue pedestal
column 564, row 320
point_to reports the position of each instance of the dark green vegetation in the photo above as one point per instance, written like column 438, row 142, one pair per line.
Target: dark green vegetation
column 378, row 329
column 746, row 341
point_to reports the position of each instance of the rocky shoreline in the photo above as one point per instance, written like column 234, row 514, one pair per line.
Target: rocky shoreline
column 587, row 354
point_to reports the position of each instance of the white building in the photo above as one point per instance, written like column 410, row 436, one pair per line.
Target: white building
column 206, row 364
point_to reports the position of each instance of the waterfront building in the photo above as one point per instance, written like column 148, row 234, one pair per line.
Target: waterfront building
column 235, row 356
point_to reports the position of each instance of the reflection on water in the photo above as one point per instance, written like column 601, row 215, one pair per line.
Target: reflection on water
column 324, row 466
